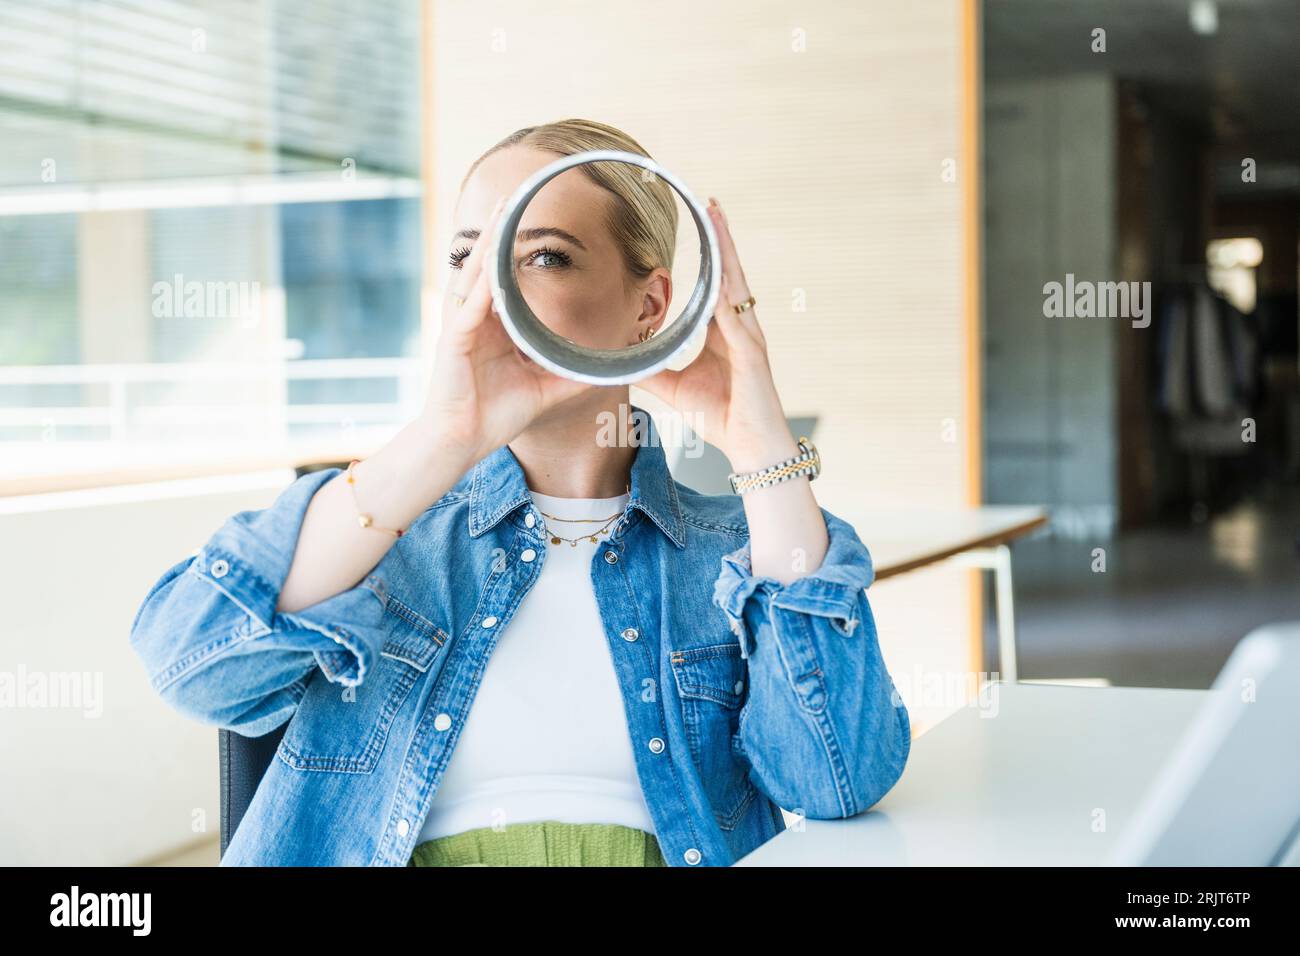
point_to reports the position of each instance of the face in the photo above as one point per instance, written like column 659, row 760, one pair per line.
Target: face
column 569, row 268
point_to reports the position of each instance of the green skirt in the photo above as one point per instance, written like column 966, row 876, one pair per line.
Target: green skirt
column 544, row 843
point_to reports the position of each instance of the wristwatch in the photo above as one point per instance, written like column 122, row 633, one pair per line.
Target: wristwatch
column 808, row 463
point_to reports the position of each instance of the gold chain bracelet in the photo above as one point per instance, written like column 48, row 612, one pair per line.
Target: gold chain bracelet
column 364, row 519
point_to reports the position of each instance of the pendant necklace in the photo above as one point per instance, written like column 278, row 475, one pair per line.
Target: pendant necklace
column 593, row 538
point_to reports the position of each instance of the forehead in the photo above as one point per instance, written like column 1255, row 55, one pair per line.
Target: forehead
column 570, row 200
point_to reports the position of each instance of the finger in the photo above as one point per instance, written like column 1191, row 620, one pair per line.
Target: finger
column 734, row 274
column 735, row 333
column 714, row 339
column 474, row 261
column 477, row 304
column 727, row 251
column 491, row 334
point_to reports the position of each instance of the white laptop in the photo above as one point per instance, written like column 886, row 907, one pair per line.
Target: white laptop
column 1229, row 793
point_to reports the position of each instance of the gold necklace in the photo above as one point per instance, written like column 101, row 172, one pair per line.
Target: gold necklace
column 575, row 520
column 573, row 542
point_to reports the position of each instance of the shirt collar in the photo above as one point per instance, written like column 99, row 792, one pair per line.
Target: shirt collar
column 498, row 487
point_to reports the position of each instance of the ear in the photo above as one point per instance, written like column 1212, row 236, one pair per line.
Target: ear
column 656, row 296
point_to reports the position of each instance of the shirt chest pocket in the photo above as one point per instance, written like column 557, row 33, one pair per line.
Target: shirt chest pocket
column 711, row 683
column 344, row 729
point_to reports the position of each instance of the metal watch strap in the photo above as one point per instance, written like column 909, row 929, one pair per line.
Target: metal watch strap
column 808, row 462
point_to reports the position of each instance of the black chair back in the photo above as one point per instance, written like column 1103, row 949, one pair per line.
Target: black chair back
column 243, row 764
column 243, row 759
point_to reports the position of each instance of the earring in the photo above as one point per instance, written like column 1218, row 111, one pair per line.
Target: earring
column 647, row 335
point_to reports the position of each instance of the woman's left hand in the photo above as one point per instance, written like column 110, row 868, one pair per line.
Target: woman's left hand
column 727, row 394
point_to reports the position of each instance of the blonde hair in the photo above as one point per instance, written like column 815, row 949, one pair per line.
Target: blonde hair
column 643, row 216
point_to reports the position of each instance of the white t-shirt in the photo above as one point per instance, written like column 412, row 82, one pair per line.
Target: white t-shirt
column 546, row 737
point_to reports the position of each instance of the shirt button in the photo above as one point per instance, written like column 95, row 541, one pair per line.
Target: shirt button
column 611, row 557
column 527, row 555
column 219, row 568
column 403, row 827
column 489, row 620
column 630, row 634
column 740, row 686
column 529, row 519
column 442, row 721
column 692, row 856
column 656, row 745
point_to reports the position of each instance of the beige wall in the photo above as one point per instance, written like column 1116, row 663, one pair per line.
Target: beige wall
column 823, row 127
column 116, row 776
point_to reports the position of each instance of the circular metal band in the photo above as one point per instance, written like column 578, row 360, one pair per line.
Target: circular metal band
column 600, row 366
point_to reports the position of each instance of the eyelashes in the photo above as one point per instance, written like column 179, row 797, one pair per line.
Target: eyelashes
column 565, row 259
column 459, row 255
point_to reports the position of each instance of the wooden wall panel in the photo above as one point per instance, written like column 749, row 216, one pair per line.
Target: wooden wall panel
column 825, row 128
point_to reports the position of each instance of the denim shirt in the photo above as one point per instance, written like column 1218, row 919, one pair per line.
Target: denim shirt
column 741, row 694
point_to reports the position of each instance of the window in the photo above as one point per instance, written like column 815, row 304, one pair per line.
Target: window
column 210, row 238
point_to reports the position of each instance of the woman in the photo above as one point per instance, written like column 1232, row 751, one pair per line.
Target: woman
column 667, row 668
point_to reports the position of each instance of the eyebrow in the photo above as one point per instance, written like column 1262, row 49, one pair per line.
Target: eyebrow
column 527, row 235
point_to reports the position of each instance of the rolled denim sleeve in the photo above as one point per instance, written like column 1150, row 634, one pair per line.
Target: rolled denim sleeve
column 213, row 643
column 823, row 727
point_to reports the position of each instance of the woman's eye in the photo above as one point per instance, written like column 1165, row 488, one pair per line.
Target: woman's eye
column 548, row 259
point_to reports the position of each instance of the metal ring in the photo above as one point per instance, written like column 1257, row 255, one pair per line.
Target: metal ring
column 745, row 306
column 600, row 366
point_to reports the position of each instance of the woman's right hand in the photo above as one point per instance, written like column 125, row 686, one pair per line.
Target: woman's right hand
column 484, row 391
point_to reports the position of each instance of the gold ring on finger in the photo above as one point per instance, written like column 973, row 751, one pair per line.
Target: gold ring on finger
column 746, row 305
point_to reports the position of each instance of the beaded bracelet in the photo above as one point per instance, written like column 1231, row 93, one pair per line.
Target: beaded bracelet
column 363, row 518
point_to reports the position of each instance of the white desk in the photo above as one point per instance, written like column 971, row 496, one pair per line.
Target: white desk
column 904, row 539
column 1017, row 789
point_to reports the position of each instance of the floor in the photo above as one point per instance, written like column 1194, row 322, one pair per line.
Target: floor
column 204, row 853
column 1169, row 606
